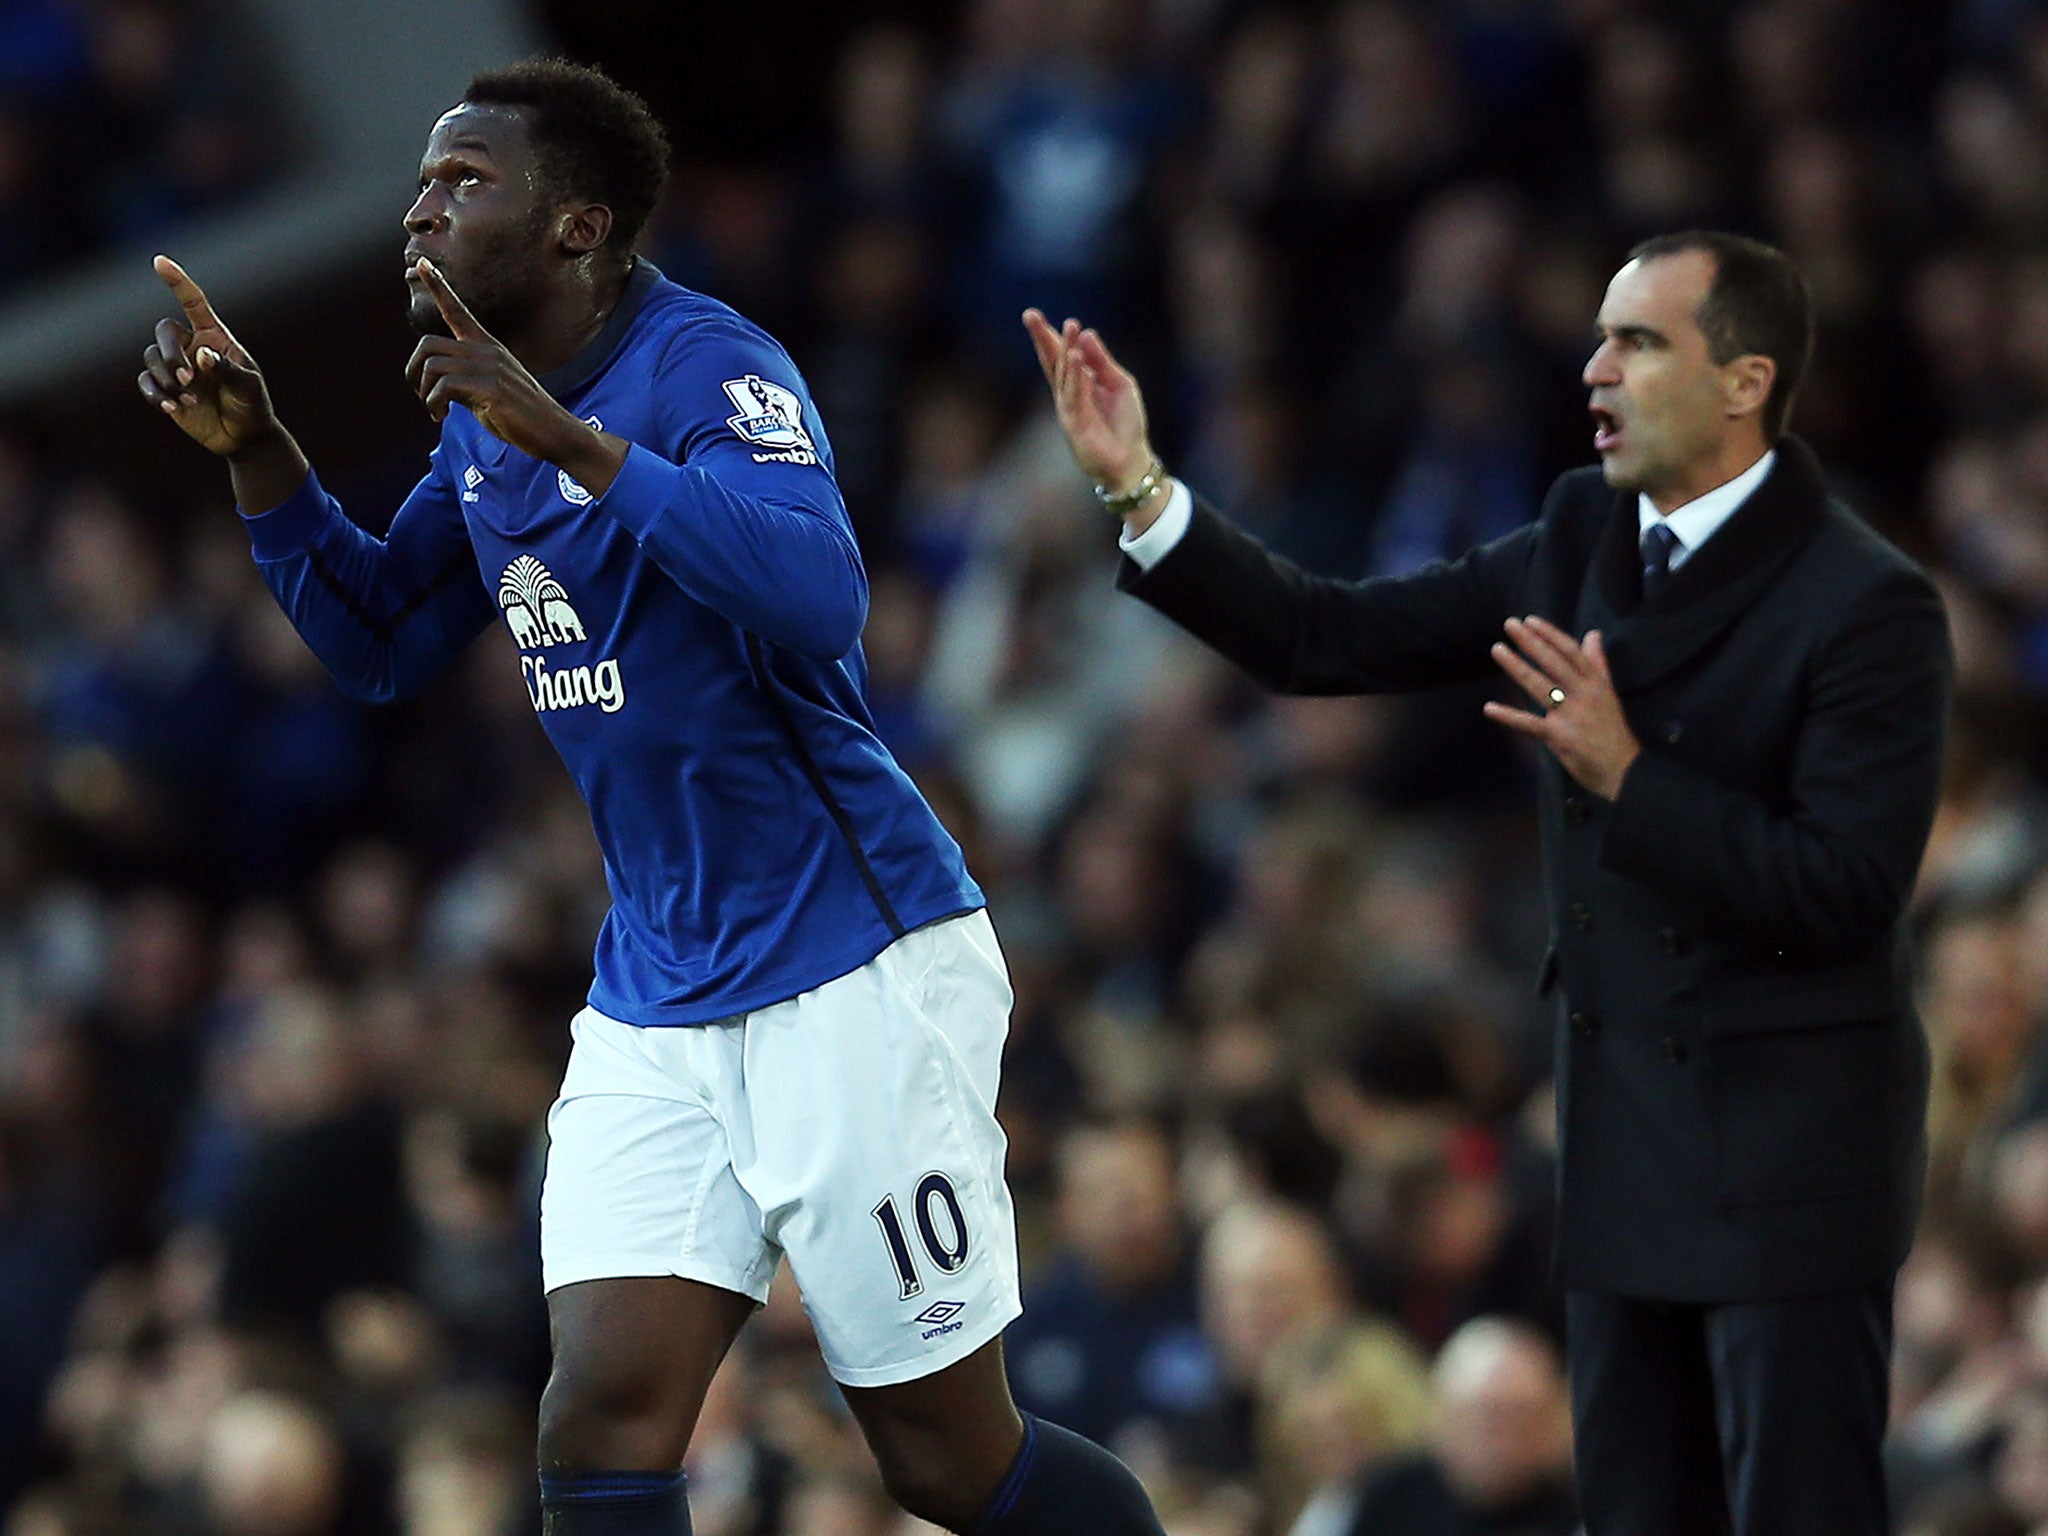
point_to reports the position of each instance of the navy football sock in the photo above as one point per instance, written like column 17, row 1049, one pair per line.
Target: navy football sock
column 1061, row 1485
column 615, row 1504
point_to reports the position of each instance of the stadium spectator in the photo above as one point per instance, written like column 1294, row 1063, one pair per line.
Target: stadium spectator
column 1110, row 1338
column 1500, row 1449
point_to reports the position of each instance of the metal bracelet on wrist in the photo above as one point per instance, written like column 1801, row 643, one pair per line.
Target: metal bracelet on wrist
column 1137, row 495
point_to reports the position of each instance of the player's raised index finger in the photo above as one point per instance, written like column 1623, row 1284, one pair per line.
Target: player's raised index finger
column 191, row 298
column 462, row 325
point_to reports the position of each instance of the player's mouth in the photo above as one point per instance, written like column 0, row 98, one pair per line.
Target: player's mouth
column 1606, row 429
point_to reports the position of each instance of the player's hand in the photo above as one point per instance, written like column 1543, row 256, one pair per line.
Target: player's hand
column 1586, row 729
column 1098, row 402
column 197, row 374
column 471, row 367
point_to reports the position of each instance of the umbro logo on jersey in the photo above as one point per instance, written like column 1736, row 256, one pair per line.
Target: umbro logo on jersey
column 770, row 417
column 538, row 612
column 939, row 1318
column 472, row 477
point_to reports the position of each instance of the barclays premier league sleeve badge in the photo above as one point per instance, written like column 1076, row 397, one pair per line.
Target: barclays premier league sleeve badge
column 772, row 419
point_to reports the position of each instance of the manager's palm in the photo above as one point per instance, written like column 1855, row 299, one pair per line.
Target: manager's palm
column 1097, row 400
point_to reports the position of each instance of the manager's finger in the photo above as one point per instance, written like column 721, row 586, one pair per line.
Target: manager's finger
column 1556, row 634
column 1528, row 678
column 1537, row 727
column 1561, row 660
column 1097, row 352
column 1045, row 341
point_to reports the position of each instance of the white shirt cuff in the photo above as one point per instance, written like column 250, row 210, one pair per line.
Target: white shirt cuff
column 1156, row 542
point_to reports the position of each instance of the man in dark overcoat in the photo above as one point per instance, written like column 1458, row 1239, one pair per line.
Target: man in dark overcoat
column 1742, row 691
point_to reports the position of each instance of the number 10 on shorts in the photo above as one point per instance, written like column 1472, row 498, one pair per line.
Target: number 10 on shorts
column 935, row 1199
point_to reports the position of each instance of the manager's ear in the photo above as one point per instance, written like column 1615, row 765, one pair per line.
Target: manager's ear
column 1746, row 383
column 582, row 227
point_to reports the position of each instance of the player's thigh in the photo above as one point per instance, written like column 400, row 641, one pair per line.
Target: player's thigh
column 633, row 1360
column 640, row 1178
column 874, row 1153
column 651, row 1251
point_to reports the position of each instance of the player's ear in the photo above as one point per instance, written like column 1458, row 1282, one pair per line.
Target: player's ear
column 583, row 227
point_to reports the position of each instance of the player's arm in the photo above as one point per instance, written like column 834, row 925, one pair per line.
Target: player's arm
column 1294, row 631
column 738, row 505
column 382, row 614
column 752, row 528
column 763, row 541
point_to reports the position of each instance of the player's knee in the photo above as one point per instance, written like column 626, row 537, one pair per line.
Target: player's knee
column 935, row 1488
column 943, row 1474
column 594, row 1419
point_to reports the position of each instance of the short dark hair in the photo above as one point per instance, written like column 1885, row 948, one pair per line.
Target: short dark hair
column 595, row 139
column 1758, row 304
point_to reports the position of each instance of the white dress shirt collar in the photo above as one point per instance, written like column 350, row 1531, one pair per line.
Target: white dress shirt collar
column 1695, row 522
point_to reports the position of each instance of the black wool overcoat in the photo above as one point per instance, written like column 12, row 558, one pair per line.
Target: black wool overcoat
column 1741, row 1074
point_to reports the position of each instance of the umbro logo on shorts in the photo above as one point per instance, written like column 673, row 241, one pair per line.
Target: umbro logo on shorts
column 939, row 1317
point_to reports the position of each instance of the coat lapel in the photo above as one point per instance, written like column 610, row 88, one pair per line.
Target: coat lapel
column 1648, row 640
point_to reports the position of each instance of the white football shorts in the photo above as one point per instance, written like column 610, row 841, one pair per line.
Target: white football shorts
column 852, row 1128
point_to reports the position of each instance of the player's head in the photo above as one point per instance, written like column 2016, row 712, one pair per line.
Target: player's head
column 1704, row 338
column 544, row 171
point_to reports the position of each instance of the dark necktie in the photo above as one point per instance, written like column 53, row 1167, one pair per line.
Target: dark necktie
column 1658, row 543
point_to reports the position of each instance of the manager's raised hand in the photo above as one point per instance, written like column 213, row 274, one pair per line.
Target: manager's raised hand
column 471, row 367
column 1102, row 412
column 201, row 377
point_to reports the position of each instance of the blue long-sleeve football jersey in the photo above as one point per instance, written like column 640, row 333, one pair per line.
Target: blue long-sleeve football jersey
column 690, row 641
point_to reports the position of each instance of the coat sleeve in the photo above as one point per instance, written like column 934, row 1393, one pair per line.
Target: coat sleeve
column 1829, row 871
column 1301, row 633
column 383, row 615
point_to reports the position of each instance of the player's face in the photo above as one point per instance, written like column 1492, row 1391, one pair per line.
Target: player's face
column 482, row 217
column 1659, row 400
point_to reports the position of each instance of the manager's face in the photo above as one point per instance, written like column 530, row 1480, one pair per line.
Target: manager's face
column 1659, row 400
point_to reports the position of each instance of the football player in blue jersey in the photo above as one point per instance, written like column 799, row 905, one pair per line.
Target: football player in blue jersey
column 796, row 1021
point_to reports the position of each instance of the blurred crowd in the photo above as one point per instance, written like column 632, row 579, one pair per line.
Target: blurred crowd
column 284, row 982
column 119, row 119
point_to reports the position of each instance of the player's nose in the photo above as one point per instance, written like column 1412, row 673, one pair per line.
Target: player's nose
column 424, row 214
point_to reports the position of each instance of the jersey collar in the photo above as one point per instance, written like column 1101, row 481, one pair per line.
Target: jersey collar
column 590, row 362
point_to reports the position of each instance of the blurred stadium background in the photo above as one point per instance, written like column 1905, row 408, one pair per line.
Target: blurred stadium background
column 283, row 981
